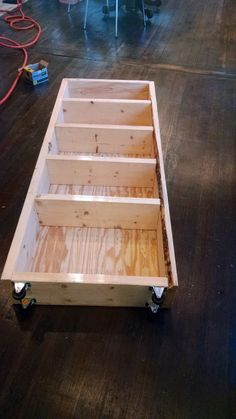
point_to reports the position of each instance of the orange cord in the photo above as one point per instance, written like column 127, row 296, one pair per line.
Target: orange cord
column 13, row 21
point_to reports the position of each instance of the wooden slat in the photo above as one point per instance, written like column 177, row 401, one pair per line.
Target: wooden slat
column 165, row 216
column 25, row 235
column 95, row 211
column 105, row 111
column 79, row 88
column 120, row 139
column 101, row 171
column 99, row 279
column 90, row 290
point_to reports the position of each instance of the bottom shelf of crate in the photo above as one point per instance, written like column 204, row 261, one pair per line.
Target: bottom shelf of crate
column 95, row 266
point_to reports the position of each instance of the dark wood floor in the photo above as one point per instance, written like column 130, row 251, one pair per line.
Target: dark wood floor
column 86, row 363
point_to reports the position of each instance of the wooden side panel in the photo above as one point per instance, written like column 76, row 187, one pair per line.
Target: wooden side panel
column 89, row 295
column 104, row 111
column 165, row 213
column 95, row 211
column 24, row 239
column 116, row 139
column 96, row 290
column 101, row 171
column 107, row 89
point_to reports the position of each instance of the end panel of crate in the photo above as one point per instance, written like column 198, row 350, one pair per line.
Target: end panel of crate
column 95, row 227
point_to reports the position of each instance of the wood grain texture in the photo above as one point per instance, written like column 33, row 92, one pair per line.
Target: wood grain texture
column 97, row 211
column 119, row 139
column 93, row 250
column 89, row 295
column 108, row 89
column 105, row 111
column 104, row 191
column 101, row 171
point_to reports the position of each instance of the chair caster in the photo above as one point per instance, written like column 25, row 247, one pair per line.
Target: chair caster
column 148, row 13
column 105, row 10
column 19, row 292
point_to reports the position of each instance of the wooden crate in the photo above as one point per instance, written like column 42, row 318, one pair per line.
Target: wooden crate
column 95, row 227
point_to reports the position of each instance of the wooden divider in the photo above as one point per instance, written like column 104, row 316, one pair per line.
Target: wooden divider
column 108, row 89
column 101, row 171
column 107, row 111
column 96, row 211
column 116, row 139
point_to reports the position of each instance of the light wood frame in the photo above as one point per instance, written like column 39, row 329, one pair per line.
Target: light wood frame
column 103, row 135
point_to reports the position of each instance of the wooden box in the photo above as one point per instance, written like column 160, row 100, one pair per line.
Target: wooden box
column 95, row 227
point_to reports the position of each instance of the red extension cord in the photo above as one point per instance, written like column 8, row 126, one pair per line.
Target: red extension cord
column 15, row 22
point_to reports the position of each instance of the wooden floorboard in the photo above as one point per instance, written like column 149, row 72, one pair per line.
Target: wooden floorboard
column 90, row 363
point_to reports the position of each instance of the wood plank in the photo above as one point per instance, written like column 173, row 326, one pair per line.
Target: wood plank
column 83, row 88
column 96, row 290
column 97, row 250
column 101, row 171
column 104, row 191
column 27, row 227
column 121, row 139
column 89, row 279
column 94, row 211
column 105, row 111
column 165, row 213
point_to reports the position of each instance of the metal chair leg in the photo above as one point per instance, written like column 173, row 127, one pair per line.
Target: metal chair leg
column 108, row 6
column 86, row 13
column 117, row 10
column 69, row 6
column 144, row 16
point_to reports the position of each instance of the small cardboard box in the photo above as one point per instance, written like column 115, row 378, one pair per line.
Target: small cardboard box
column 36, row 73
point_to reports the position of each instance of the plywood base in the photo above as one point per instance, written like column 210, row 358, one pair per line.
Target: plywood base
column 96, row 251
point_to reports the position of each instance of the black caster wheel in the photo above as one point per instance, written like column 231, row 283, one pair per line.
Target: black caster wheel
column 158, row 301
column 21, row 294
column 148, row 13
column 105, row 10
column 152, row 311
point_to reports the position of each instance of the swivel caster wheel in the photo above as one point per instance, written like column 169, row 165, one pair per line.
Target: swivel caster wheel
column 152, row 310
column 158, row 295
column 148, row 13
column 20, row 295
column 158, row 301
column 105, row 10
